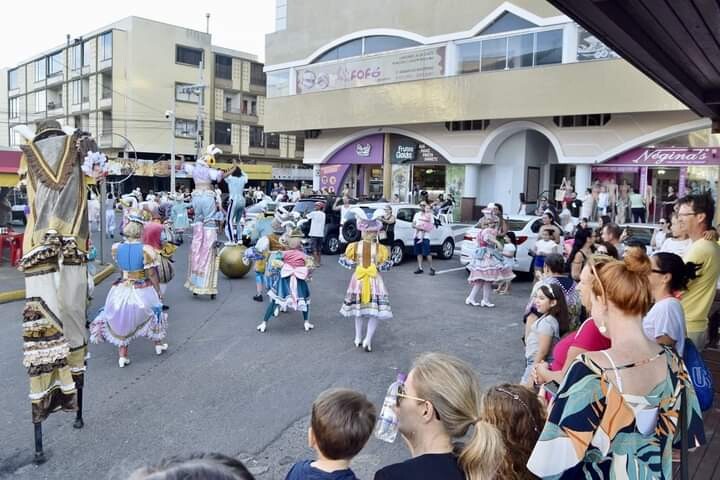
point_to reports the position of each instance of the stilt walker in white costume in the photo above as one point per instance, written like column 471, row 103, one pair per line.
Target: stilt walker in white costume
column 204, row 261
column 54, row 165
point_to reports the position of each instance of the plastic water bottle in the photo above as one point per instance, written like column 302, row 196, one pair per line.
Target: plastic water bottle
column 386, row 428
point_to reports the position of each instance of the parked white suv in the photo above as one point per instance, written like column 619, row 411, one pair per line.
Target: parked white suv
column 442, row 240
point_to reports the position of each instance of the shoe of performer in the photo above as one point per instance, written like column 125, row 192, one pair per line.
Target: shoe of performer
column 366, row 346
column 159, row 349
column 470, row 301
column 432, row 272
column 418, row 271
column 261, row 328
column 165, row 307
column 258, row 298
column 122, row 361
column 277, row 311
column 483, row 303
column 308, row 326
column 357, row 343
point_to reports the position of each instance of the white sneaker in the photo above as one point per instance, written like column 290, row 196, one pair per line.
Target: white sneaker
column 159, row 349
column 308, row 326
column 261, row 328
column 470, row 301
column 483, row 303
column 122, row 361
column 366, row 346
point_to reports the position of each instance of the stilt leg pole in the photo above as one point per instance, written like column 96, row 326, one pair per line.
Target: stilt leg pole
column 39, row 453
column 78, row 417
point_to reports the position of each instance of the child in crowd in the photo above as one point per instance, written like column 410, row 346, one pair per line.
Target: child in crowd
column 423, row 223
column 340, row 425
column 544, row 247
column 542, row 334
column 508, row 252
column 519, row 415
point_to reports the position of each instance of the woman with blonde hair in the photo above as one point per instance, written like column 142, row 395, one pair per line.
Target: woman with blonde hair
column 518, row 413
column 616, row 412
column 439, row 403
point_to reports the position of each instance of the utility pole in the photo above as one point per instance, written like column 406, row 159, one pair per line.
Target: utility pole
column 200, row 90
column 171, row 114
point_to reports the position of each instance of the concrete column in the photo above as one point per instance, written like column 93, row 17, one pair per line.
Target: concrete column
column 583, row 179
column 316, row 178
column 470, row 189
column 387, row 169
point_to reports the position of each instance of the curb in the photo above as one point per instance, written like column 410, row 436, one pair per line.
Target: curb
column 16, row 295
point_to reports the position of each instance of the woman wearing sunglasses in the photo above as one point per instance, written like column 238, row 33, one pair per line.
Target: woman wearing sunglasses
column 436, row 406
column 616, row 413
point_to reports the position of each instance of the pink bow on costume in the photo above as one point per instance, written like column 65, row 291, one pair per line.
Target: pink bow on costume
column 294, row 273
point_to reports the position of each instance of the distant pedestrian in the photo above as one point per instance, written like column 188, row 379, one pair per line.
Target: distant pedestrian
column 637, row 207
column 341, row 422
column 110, row 216
column 317, row 231
column 423, row 225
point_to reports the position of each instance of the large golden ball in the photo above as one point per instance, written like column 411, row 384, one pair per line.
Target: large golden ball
column 231, row 261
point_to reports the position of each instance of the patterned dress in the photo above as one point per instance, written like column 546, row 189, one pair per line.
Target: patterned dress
column 291, row 289
column 488, row 263
column 132, row 308
column 595, row 431
column 366, row 295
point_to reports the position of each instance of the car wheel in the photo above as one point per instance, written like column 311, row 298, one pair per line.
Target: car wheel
column 350, row 231
column 332, row 246
column 447, row 249
column 397, row 253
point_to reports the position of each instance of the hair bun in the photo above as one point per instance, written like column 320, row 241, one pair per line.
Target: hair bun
column 637, row 261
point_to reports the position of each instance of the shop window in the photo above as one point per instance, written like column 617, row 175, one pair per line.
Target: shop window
column 468, row 57
column 494, row 54
column 466, row 125
column 592, row 120
column 507, row 22
column 385, row 43
column 549, row 47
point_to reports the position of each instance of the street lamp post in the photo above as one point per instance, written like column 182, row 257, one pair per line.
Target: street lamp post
column 171, row 114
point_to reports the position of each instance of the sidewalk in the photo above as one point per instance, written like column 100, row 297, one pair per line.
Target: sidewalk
column 12, row 281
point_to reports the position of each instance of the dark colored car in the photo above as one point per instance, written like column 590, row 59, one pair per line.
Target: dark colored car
column 332, row 220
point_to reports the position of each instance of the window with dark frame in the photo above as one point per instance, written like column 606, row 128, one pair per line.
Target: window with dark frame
column 223, row 133
column 105, row 46
column 183, row 94
column 257, row 76
column 55, row 64
column 272, row 140
column 188, row 56
column 256, row 136
column 185, row 128
column 467, row 125
column 223, row 67
column 12, row 79
column 14, row 108
column 578, row 121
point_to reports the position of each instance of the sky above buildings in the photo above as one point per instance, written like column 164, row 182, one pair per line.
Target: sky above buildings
column 30, row 28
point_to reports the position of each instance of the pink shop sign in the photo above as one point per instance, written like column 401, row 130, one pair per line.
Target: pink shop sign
column 677, row 157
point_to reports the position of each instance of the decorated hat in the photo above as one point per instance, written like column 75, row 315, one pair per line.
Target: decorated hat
column 296, row 233
column 277, row 226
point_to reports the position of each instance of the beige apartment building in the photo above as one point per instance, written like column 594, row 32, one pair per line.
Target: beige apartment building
column 486, row 100
column 123, row 82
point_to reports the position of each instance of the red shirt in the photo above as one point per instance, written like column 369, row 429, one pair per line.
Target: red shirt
column 587, row 337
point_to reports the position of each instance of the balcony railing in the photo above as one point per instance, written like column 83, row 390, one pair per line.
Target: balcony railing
column 531, row 48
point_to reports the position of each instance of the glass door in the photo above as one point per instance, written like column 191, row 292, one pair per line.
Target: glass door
column 665, row 182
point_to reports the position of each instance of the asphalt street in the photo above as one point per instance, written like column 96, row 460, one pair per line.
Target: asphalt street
column 224, row 387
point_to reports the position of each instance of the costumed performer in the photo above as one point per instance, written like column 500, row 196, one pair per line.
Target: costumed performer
column 204, row 260
column 236, row 180
column 291, row 289
column 366, row 296
column 53, row 165
column 133, row 307
column 155, row 237
column 487, row 265
column 179, row 216
column 266, row 234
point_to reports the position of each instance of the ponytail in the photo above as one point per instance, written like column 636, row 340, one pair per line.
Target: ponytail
column 483, row 454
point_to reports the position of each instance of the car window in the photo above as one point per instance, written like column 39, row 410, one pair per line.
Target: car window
column 406, row 214
column 516, row 225
column 638, row 234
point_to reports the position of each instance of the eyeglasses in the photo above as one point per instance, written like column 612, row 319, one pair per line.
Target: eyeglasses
column 401, row 394
column 655, row 270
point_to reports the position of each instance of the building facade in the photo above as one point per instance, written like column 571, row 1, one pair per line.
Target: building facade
column 123, row 82
column 487, row 100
